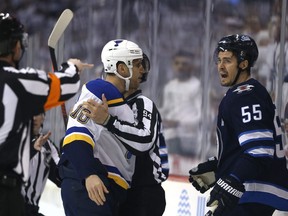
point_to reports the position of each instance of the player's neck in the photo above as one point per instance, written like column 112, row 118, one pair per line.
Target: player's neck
column 8, row 59
column 117, row 82
column 129, row 92
column 244, row 76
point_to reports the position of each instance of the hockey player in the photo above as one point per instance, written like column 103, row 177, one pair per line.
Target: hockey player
column 146, row 196
column 96, row 169
column 250, row 176
column 24, row 93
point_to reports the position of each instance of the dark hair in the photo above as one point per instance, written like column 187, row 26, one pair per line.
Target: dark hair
column 11, row 30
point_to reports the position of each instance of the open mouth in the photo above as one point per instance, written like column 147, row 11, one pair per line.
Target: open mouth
column 223, row 75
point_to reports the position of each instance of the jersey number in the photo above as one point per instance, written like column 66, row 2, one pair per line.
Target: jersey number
column 251, row 112
column 77, row 113
column 147, row 114
column 280, row 140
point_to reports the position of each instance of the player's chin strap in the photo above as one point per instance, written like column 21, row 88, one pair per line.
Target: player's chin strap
column 127, row 84
column 237, row 76
column 126, row 79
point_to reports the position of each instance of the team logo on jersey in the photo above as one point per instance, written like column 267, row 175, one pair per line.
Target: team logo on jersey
column 243, row 88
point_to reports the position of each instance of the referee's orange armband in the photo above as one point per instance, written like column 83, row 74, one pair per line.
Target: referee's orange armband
column 54, row 93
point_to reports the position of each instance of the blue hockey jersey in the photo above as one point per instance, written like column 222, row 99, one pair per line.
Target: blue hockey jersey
column 250, row 145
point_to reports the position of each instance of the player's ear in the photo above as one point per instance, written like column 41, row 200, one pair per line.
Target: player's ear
column 121, row 68
column 15, row 46
column 243, row 65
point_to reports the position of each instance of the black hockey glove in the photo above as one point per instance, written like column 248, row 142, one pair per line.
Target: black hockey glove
column 202, row 177
column 225, row 195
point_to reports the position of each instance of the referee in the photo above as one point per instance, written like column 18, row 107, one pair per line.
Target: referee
column 43, row 165
column 24, row 93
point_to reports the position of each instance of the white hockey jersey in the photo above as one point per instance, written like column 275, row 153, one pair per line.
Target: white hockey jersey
column 117, row 160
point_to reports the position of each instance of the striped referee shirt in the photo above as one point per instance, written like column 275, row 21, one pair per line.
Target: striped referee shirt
column 144, row 139
column 25, row 93
column 42, row 165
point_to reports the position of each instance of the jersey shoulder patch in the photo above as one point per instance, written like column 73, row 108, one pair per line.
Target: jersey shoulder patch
column 244, row 88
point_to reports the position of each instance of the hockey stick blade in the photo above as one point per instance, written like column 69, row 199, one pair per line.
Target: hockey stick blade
column 59, row 28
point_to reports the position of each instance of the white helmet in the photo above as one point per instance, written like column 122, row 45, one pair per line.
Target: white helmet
column 120, row 51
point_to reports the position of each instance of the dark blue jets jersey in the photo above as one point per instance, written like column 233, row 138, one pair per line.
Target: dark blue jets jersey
column 250, row 144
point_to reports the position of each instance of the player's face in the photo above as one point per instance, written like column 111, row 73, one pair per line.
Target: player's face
column 138, row 71
column 37, row 122
column 227, row 66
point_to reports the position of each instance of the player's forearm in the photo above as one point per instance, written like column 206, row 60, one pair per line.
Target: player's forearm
column 137, row 137
column 140, row 136
column 248, row 167
column 80, row 155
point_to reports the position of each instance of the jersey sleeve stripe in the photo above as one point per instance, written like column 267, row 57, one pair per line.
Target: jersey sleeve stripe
column 79, row 133
column 267, row 192
column 80, row 130
column 255, row 135
column 116, row 101
column 264, row 151
column 113, row 173
column 119, row 180
column 78, row 136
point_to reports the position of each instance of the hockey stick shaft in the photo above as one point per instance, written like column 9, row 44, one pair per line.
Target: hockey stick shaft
column 53, row 58
column 58, row 30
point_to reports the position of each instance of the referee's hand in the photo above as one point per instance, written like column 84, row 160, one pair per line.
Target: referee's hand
column 96, row 111
column 96, row 189
column 41, row 140
column 80, row 65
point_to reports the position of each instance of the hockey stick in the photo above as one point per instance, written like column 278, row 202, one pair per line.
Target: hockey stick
column 58, row 30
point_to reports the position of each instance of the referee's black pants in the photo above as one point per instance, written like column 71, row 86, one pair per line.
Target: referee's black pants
column 144, row 201
column 11, row 199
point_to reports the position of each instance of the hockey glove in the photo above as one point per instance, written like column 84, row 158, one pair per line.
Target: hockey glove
column 202, row 177
column 225, row 195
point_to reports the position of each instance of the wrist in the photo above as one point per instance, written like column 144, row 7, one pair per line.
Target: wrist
column 106, row 120
column 231, row 186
